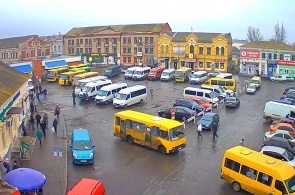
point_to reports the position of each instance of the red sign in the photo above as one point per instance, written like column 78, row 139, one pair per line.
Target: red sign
column 173, row 113
column 285, row 62
column 249, row 54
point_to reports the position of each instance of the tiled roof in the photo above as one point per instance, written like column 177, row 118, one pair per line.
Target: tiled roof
column 13, row 41
column 202, row 36
column 10, row 81
column 268, row 45
column 117, row 28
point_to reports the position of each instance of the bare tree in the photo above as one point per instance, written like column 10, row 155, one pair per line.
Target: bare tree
column 280, row 35
column 254, row 34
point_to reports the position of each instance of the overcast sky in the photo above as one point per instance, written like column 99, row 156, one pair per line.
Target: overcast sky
column 48, row 17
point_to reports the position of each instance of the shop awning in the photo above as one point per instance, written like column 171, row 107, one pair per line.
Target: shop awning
column 55, row 64
column 25, row 68
column 15, row 110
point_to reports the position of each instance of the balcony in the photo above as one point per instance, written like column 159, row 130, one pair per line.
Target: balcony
column 114, row 44
column 106, row 44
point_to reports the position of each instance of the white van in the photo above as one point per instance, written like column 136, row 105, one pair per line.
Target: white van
column 198, row 77
column 107, row 93
column 81, row 83
column 141, row 73
column 129, row 96
column 129, row 72
column 276, row 110
column 92, row 88
column 204, row 94
column 225, row 76
column 219, row 93
column 168, row 74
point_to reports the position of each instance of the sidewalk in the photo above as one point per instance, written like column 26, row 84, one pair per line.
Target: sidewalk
column 43, row 159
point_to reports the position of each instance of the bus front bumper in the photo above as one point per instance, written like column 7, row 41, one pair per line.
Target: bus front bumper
column 178, row 148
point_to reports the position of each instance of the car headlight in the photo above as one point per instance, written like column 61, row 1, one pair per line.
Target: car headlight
column 91, row 155
column 74, row 155
column 207, row 125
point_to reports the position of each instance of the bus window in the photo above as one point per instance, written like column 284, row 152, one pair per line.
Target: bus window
column 233, row 165
column 164, row 134
column 221, row 83
column 155, row 131
column 118, row 120
column 229, row 83
column 264, row 179
column 213, row 82
column 249, row 172
column 129, row 124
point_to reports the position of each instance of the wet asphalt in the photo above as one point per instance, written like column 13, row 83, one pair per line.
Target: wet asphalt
column 132, row 169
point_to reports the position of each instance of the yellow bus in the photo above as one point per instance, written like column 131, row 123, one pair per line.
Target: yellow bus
column 87, row 69
column 78, row 66
column 227, row 83
column 164, row 135
column 183, row 74
column 53, row 74
column 66, row 77
column 257, row 173
column 83, row 76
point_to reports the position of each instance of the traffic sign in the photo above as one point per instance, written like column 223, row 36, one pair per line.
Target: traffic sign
column 173, row 113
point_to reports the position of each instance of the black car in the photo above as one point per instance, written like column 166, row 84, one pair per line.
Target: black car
column 189, row 104
column 288, row 88
column 232, row 102
column 181, row 113
column 279, row 142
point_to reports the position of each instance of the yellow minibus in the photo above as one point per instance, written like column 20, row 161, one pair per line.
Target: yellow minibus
column 164, row 135
column 257, row 173
column 66, row 78
column 183, row 74
column 83, row 76
column 53, row 74
column 78, row 66
column 227, row 83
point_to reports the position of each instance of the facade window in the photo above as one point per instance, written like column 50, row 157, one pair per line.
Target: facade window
column 86, row 41
column 58, row 48
column 98, row 41
column 90, row 50
column 124, row 40
column 78, row 50
column 28, row 55
column 73, row 42
column 162, row 48
column 167, row 49
column 134, row 60
column 217, row 51
column 54, row 48
column 129, row 39
column 81, row 50
column 281, row 56
column 106, row 40
column 263, row 55
column 216, row 65
column 221, row 65
column 125, row 50
column 222, row 51
column 139, row 40
column 269, row 56
column 129, row 50
column 98, row 50
column 81, row 41
column 146, row 50
column 129, row 59
column 114, row 50
column 69, row 51
column 135, row 40
column 69, row 42
column 124, row 59
column 90, row 41
column 275, row 56
column 140, row 49
column 208, row 64
column 209, row 51
column 151, row 39
column 192, row 49
column 201, row 51
column 201, row 64
column 151, row 50
column 115, row 40
column 146, row 39
column 135, row 50
column 286, row 71
column 293, row 58
column 86, row 50
column 106, row 50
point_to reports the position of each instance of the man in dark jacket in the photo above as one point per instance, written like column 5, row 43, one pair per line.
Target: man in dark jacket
column 215, row 130
column 38, row 119
column 32, row 121
column 43, row 128
column 54, row 124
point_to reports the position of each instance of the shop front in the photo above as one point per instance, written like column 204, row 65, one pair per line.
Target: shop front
column 249, row 68
column 165, row 62
column 271, row 68
column 190, row 63
column 286, row 67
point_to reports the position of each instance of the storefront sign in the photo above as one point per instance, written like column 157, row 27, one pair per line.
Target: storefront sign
column 178, row 50
column 250, row 54
column 219, row 60
column 286, row 62
column 139, row 54
column 190, row 60
column 252, row 63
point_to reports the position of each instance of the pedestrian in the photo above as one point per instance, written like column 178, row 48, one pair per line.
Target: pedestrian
column 38, row 119
column 38, row 96
column 242, row 142
column 152, row 91
column 69, row 83
column 40, row 135
column 54, row 124
column 215, row 130
column 57, row 111
column 23, row 126
column 84, row 97
column 87, row 98
column 45, row 118
column 40, row 88
column 32, row 121
column 43, row 128
column 199, row 128
column 15, row 165
column 288, row 115
column 6, row 165
column 74, row 97
column 32, row 108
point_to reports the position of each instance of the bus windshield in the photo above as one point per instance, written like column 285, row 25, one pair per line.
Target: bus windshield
column 165, row 73
column 102, row 93
column 196, row 76
column 139, row 72
column 87, row 89
column 290, row 183
column 153, row 73
column 176, row 133
column 178, row 74
column 121, row 96
column 51, row 74
column 63, row 76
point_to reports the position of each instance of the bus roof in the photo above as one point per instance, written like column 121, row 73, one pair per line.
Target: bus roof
column 221, row 79
column 183, row 69
column 91, row 79
column 147, row 118
column 70, row 72
column 258, row 159
column 57, row 69
column 86, row 74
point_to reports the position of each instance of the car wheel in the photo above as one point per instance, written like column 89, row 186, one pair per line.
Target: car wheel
column 162, row 149
column 283, row 81
column 268, row 119
column 141, row 101
column 130, row 139
column 271, row 80
column 236, row 186
column 164, row 115
column 183, row 118
column 107, row 102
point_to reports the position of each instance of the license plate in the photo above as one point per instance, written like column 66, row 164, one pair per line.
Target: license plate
column 83, row 160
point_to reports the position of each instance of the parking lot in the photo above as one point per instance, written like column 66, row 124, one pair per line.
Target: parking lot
column 133, row 169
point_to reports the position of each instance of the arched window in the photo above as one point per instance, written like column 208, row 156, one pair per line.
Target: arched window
column 217, row 51
column 222, row 51
column 192, row 49
column 162, row 48
column 167, row 50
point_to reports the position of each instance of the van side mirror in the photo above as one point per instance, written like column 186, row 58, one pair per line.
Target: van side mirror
column 71, row 146
column 93, row 146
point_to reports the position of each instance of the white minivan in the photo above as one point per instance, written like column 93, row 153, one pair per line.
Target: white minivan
column 92, row 88
column 129, row 96
column 107, row 93
column 168, row 74
column 220, row 94
column 275, row 111
column 141, row 73
column 129, row 72
column 198, row 77
column 204, row 94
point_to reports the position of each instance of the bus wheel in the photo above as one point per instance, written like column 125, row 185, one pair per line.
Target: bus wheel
column 130, row 139
column 236, row 186
column 162, row 149
column 107, row 102
column 141, row 101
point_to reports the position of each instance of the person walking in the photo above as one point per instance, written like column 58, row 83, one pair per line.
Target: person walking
column 6, row 165
column 43, row 128
column 38, row 119
column 199, row 128
column 215, row 130
column 45, row 118
column 15, row 165
column 84, row 98
column 32, row 108
column 32, row 121
column 74, row 98
column 242, row 142
column 40, row 135
column 23, row 126
column 54, row 124
column 57, row 111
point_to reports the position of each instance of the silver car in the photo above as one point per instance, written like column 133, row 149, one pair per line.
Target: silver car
column 251, row 89
column 279, row 153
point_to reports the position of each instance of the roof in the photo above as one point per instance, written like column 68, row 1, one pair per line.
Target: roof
column 81, row 134
column 203, row 37
column 10, row 81
column 25, row 68
column 55, row 64
column 13, row 41
column 158, row 27
column 268, row 45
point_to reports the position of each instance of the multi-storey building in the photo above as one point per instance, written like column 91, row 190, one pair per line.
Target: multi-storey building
column 267, row 58
column 25, row 48
column 117, row 44
column 197, row 50
column 56, row 44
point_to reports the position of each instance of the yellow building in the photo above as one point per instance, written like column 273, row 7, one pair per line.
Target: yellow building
column 199, row 51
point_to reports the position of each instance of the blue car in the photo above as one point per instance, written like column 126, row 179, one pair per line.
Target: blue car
column 208, row 120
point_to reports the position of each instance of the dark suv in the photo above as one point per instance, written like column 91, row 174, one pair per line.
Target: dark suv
column 279, row 142
column 189, row 104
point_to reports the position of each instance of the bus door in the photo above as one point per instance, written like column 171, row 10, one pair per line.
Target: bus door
column 148, row 134
column 122, row 129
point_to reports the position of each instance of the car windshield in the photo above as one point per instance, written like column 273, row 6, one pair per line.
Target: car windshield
column 196, row 76
column 290, row 183
column 251, row 87
column 165, row 73
column 231, row 100
column 153, row 73
column 129, row 71
column 288, row 155
column 221, row 89
column 121, row 96
column 30, row 83
column 108, row 70
column 255, row 81
column 87, row 89
column 82, row 145
column 52, row 74
column 102, row 93
column 212, row 95
column 176, row 133
column 207, row 118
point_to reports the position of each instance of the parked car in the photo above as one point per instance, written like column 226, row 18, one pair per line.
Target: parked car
column 279, row 153
column 213, row 74
column 280, row 133
column 279, row 78
column 279, row 142
column 282, row 126
column 189, row 104
column 232, row 102
column 288, row 88
column 289, row 78
column 251, row 89
column 291, row 100
column 201, row 102
column 284, row 120
column 181, row 113
column 208, row 120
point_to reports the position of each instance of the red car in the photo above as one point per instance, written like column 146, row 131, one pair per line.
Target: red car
column 201, row 102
